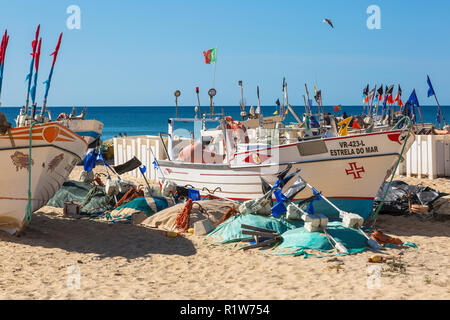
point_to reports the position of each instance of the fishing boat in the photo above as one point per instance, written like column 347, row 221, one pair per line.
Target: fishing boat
column 228, row 162
column 32, row 181
column 89, row 129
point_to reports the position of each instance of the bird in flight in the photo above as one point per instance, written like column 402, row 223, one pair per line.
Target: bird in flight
column 329, row 22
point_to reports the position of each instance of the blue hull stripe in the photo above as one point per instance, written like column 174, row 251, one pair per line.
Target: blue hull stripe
column 92, row 134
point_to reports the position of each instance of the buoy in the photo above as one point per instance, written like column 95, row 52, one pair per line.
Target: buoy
column 171, row 234
column 191, row 230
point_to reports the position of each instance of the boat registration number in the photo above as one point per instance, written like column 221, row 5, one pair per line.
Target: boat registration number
column 356, row 147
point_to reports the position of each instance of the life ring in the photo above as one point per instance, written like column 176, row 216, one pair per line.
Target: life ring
column 62, row 116
column 239, row 128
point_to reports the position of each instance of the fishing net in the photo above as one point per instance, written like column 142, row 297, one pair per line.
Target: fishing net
column 231, row 230
column 92, row 199
column 296, row 240
column 145, row 205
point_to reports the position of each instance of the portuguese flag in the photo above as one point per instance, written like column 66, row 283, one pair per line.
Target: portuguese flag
column 210, row 56
column 337, row 108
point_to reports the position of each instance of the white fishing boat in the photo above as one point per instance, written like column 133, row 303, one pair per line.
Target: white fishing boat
column 348, row 170
column 55, row 150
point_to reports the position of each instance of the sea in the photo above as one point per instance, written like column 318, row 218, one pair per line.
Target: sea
column 136, row 121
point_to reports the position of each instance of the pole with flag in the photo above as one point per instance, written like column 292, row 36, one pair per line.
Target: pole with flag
column 309, row 101
column 365, row 97
column 371, row 97
column 413, row 101
column 36, row 66
column 398, row 98
column 34, row 45
column 3, row 46
column 431, row 92
column 210, row 58
column 49, row 80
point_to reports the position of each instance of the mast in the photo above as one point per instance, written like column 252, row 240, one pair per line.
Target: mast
column 49, row 80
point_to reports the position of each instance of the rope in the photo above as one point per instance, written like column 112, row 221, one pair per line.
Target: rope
column 183, row 219
column 228, row 214
column 375, row 215
column 29, row 211
column 129, row 195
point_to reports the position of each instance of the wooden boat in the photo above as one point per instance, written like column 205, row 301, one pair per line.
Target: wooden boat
column 55, row 150
column 348, row 170
column 89, row 130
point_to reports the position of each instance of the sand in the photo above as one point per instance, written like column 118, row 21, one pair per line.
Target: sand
column 124, row 261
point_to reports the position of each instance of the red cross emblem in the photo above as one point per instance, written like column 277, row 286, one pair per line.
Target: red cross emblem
column 355, row 171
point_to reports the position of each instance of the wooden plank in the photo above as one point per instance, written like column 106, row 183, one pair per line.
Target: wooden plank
column 261, row 244
column 260, row 234
column 245, row 226
column 447, row 157
column 432, row 160
column 419, row 156
column 409, row 163
column 116, row 153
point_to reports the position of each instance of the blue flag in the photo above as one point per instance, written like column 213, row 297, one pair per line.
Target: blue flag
column 90, row 160
column 155, row 164
column 278, row 209
column 430, row 89
column 317, row 192
column 143, row 169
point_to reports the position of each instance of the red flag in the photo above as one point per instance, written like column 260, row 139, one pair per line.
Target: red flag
column 380, row 98
column 3, row 46
column 389, row 99
column 337, row 108
column 355, row 125
column 34, row 43
column 55, row 53
column 207, row 55
column 37, row 55
column 400, row 102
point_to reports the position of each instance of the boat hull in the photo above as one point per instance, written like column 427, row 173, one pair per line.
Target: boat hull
column 89, row 130
column 55, row 152
column 349, row 178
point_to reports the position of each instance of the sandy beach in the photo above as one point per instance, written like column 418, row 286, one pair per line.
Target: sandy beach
column 124, row 261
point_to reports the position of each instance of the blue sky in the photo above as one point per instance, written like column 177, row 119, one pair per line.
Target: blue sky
column 138, row 52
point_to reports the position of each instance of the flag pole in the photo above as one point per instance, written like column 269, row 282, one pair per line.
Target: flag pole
column 440, row 110
column 215, row 63
column 30, row 75
column 4, row 45
column 420, row 112
column 306, row 108
column 371, row 101
column 49, row 80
